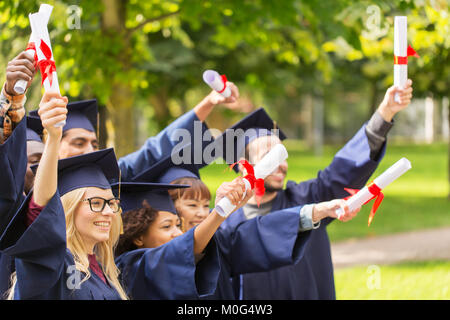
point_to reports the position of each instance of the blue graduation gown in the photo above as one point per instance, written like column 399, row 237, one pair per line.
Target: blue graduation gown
column 169, row 272
column 155, row 148
column 260, row 244
column 13, row 163
column 44, row 265
column 312, row 277
column 13, row 158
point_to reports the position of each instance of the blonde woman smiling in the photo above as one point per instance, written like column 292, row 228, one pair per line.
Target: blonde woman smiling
column 62, row 238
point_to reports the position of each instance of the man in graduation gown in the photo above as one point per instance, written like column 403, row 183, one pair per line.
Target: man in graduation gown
column 260, row 244
column 352, row 166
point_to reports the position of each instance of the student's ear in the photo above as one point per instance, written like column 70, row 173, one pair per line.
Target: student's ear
column 139, row 242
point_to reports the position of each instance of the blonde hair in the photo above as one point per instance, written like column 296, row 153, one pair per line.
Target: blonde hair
column 104, row 251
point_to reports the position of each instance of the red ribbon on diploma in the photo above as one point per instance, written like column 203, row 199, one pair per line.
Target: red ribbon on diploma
column 376, row 194
column 224, row 81
column 47, row 66
column 410, row 52
column 256, row 184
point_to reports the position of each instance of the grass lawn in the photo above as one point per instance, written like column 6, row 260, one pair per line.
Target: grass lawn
column 417, row 200
column 410, row 281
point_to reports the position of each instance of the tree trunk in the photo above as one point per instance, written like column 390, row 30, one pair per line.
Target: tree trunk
column 121, row 126
column 120, row 109
column 159, row 101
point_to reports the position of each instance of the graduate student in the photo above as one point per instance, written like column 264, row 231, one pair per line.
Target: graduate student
column 34, row 149
column 13, row 152
column 62, row 238
column 311, row 277
column 152, row 235
column 262, row 244
column 13, row 124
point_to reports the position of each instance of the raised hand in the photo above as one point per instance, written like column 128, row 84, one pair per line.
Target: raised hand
column 52, row 110
column 234, row 191
column 328, row 209
column 216, row 98
column 21, row 67
column 389, row 107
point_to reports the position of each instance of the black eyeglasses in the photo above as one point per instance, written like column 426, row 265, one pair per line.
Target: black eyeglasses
column 97, row 204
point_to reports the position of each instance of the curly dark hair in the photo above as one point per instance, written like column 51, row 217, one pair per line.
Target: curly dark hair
column 135, row 224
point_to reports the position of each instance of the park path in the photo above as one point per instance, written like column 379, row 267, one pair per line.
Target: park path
column 432, row 244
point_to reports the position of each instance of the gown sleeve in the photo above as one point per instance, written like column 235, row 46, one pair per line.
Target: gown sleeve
column 157, row 147
column 13, row 166
column 263, row 243
column 351, row 167
column 169, row 271
column 39, row 249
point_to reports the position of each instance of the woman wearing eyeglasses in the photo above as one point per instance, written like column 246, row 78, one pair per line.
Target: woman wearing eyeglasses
column 62, row 238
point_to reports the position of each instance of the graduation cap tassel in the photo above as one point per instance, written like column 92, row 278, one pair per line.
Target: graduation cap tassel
column 98, row 127
column 121, row 221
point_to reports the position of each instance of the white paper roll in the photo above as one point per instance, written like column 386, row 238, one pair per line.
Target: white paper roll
column 214, row 80
column 225, row 207
column 262, row 169
column 400, row 50
column 45, row 10
column 382, row 181
column 38, row 24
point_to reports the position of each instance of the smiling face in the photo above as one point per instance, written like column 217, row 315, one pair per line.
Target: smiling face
column 77, row 141
column 257, row 149
column 193, row 211
column 192, row 203
column 94, row 227
column 165, row 228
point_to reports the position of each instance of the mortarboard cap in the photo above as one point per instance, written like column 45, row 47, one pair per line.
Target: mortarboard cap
column 233, row 140
column 133, row 194
column 166, row 171
column 34, row 129
column 80, row 114
column 96, row 169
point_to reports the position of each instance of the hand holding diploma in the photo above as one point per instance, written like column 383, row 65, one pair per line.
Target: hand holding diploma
column 373, row 190
column 389, row 106
column 328, row 209
column 53, row 110
column 20, row 69
column 255, row 177
column 45, row 10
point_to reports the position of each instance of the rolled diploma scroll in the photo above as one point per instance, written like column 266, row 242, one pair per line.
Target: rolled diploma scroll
column 39, row 29
column 388, row 176
column 400, row 50
column 214, row 80
column 46, row 11
column 262, row 169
